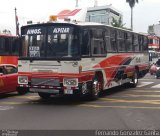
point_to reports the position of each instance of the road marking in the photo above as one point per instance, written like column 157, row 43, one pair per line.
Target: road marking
column 12, row 103
column 147, row 91
column 146, row 79
column 131, row 101
column 134, row 95
column 18, row 103
column 141, row 84
column 2, row 108
column 28, row 97
column 121, row 107
column 156, row 86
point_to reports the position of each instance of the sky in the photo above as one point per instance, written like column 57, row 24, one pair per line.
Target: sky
column 145, row 13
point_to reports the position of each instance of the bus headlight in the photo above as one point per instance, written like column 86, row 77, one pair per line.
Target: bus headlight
column 70, row 82
column 22, row 80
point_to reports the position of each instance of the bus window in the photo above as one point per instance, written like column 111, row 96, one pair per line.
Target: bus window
column 113, row 46
column 140, row 41
column 129, row 42
column 97, row 42
column 15, row 46
column 135, row 43
column 2, row 45
column 120, row 41
column 107, row 39
column 7, row 46
column 145, row 44
column 85, row 43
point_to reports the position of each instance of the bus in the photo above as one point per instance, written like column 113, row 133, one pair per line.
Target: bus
column 9, row 49
column 154, row 43
column 79, row 58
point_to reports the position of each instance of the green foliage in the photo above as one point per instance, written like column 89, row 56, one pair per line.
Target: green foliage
column 117, row 23
column 6, row 31
column 132, row 3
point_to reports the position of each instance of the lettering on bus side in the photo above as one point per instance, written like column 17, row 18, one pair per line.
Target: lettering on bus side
column 34, row 31
column 61, row 30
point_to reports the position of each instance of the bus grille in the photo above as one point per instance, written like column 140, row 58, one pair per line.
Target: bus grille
column 45, row 81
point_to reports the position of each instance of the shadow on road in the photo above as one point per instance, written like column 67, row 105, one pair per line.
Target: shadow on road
column 76, row 100
column 8, row 95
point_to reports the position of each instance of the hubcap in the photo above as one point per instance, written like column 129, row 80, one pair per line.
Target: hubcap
column 96, row 87
column 84, row 88
column 135, row 78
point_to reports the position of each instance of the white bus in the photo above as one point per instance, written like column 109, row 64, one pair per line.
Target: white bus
column 79, row 58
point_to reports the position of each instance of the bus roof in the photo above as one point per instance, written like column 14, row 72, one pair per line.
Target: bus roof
column 5, row 35
column 79, row 23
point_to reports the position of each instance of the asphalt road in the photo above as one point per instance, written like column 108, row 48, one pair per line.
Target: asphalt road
column 119, row 108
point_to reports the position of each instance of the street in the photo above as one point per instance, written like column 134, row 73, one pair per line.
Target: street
column 118, row 108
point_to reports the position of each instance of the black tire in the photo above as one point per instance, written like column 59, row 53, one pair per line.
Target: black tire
column 44, row 95
column 95, row 88
column 134, row 81
column 22, row 91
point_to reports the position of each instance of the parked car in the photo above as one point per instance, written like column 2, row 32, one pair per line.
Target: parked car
column 155, row 68
column 8, row 78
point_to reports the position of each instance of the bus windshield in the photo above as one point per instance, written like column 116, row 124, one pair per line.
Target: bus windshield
column 50, row 42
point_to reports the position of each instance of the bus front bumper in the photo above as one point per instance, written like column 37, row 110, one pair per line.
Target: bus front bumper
column 55, row 90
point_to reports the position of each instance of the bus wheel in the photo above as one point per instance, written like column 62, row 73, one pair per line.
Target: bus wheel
column 44, row 95
column 134, row 81
column 96, row 87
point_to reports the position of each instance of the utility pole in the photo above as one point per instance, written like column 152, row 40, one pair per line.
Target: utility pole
column 76, row 3
column 95, row 3
column 17, row 23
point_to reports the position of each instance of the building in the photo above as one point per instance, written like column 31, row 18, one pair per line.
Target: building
column 154, row 29
column 103, row 14
column 99, row 14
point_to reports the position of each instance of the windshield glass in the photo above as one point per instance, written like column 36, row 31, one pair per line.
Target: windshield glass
column 50, row 42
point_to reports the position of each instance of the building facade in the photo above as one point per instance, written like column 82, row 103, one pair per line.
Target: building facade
column 102, row 14
column 154, row 29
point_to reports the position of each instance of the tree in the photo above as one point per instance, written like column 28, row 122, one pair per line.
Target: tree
column 132, row 4
column 117, row 23
column 5, row 31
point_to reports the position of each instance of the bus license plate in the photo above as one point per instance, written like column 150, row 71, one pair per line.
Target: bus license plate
column 68, row 91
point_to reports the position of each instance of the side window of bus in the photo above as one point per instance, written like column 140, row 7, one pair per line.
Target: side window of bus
column 135, row 42
column 107, row 39
column 15, row 46
column 120, row 41
column 85, row 44
column 140, row 41
column 145, row 44
column 97, row 42
column 113, row 45
column 2, row 42
column 128, row 38
column 7, row 46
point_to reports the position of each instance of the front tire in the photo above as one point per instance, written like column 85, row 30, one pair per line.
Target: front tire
column 96, row 88
column 134, row 81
